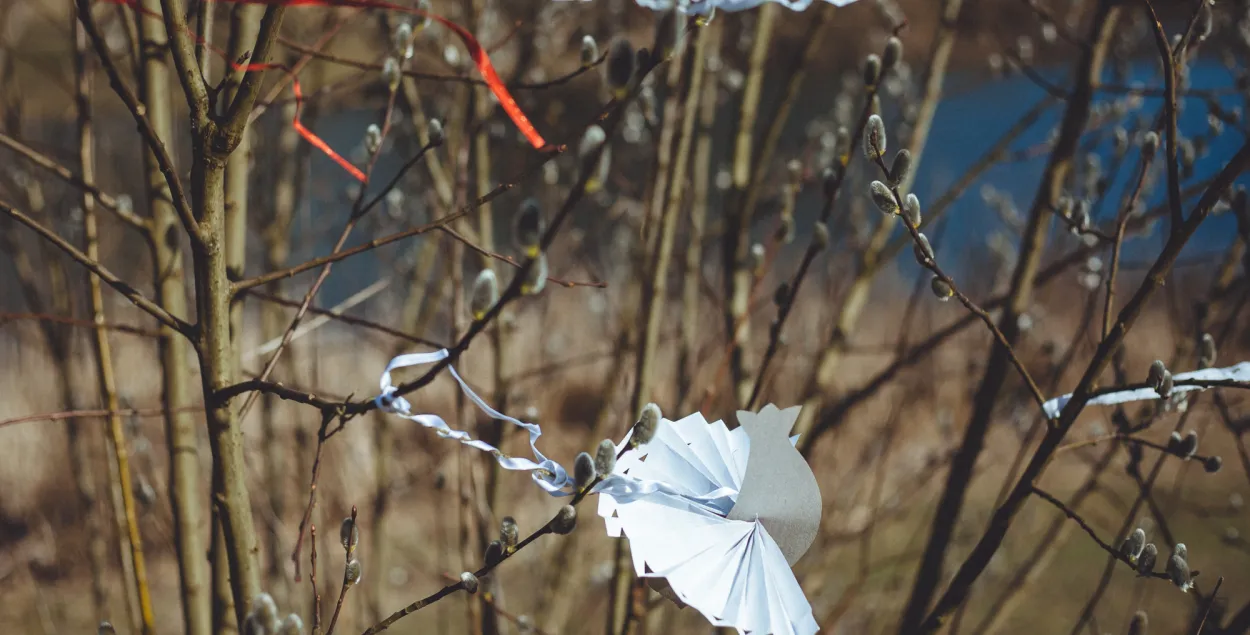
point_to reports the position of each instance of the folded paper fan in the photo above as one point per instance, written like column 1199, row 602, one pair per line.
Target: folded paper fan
column 720, row 516
column 744, row 507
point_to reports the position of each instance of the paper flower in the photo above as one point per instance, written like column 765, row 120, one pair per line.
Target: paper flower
column 720, row 516
column 700, row 7
column 744, row 507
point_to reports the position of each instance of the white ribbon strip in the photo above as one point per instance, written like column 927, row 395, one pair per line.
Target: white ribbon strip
column 548, row 474
column 1239, row 372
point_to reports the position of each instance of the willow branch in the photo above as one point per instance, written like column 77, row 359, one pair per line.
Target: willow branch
column 131, row 293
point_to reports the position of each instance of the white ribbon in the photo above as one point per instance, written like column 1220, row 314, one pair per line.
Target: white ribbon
column 1239, row 372
column 548, row 474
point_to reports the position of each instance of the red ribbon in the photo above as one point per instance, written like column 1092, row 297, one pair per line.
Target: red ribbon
column 476, row 53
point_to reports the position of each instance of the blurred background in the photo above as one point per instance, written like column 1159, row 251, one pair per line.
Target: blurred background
column 890, row 378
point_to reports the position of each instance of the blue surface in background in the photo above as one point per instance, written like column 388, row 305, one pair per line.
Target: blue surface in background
column 967, row 125
column 971, row 118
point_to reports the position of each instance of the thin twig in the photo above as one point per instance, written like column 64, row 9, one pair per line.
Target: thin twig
column 1210, row 603
column 312, row 580
column 462, row 79
column 347, row 582
column 1116, row 553
column 486, row 568
column 340, row 317
column 264, row 279
column 6, row 316
column 1168, row 57
column 151, row 139
column 99, row 412
column 131, row 293
column 106, row 200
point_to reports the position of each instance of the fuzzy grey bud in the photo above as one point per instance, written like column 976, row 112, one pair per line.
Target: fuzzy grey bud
column 468, row 581
column 494, row 553
column 602, row 169
column 391, row 73
column 1080, row 217
column 591, row 140
column 1212, row 464
column 901, row 167
column 883, row 198
column 1206, row 351
column 642, row 58
column 923, row 250
column 648, row 422
column 781, row 295
column 1063, row 206
column 605, row 457
column 1202, row 30
column 1146, row 561
column 1137, row 625
column 265, row 613
column 1174, row 442
column 485, row 293
column 373, row 138
column 619, row 70
column 820, row 236
column 872, row 70
column 785, row 229
column 941, row 288
column 1149, row 144
column 565, row 521
column 874, row 138
column 1154, row 378
column 911, row 210
column 527, row 227
column 423, row 11
column 106, row 628
column 829, row 182
column 435, row 130
column 292, row 625
column 1188, row 445
column 349, row 534
column 1165, row 386
column 352, row 573
column 794, row 173
column 1133, row 545
column 536, row 277
column 583, row 471
column 590, row 50
column 403, row 40
column 893, row 53
column 509, row 534
column 757, row 257
column 1178, row 570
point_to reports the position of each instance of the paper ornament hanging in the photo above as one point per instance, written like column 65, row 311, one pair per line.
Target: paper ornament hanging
column 730, row 559
column 716, row 516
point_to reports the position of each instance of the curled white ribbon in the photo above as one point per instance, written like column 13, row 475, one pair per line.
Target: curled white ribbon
column 548, row 474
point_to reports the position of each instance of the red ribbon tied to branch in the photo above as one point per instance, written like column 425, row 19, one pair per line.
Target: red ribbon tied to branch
column 476, row 52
